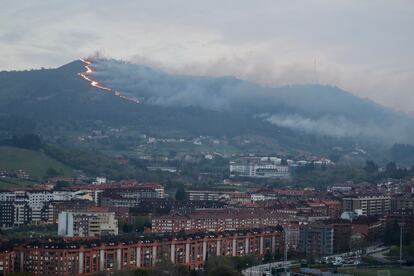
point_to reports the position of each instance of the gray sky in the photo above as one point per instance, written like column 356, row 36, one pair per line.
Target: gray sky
column 363, row 46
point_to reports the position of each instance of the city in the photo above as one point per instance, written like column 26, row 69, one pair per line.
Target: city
column 206, row 138
column 109, row 226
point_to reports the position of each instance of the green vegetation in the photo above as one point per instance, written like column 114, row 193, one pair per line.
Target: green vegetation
column 224, row 265
column 403, row 153
column 36, row 163
column 215, row 266
column 407, row 250
column 66, row 110
column 33, row 231
column 8, row 182
column 180, row 194
column 309, row 176
column 392, row 234
column 137, row 224
column 393, row 271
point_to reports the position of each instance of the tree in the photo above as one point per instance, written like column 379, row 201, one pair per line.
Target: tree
column 394, row 172
column 268, row 257
column 392, row 233
column 391, row 168
column 180, row 195
column 371, row 167
column 61, row 184
column 165, row 267
column 27, row 141
column 223, row 270
column 127, row 228
column 140, row 222
column 243, row 262
column 214, row 262
column 51, row 172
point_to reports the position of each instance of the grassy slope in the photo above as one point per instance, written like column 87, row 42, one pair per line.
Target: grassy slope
column 35, row 163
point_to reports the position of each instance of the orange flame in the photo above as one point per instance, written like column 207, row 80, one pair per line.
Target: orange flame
column 94, row 83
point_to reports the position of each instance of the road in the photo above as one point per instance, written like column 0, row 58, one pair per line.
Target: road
column 260, row 270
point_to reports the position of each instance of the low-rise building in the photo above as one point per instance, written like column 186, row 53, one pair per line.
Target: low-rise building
column 205, row 195
column 259, row 167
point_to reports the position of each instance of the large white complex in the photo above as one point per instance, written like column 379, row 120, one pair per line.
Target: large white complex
column 265, row 167
column 87, row 224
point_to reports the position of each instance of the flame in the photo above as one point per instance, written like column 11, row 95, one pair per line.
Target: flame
column 96, row 84
column 85, row 61
column 88, row 70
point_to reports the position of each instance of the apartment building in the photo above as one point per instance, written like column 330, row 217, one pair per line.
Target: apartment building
column 368, row 205
column 215, row 220
column 6, row 214
column 87, row 224
column 131, row 196
column 403, row 202
column 90, row 257
column 316, row 240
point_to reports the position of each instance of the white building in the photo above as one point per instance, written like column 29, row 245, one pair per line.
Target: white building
column 100, row 180
column 62, row 195
column 196, row 195
column 7, row 196
column 263, row 167
column 37, row 201
column 87, row 224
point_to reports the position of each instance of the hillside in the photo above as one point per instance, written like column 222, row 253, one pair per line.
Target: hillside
column 34, row 163
column 310, row 109
column 65, row 109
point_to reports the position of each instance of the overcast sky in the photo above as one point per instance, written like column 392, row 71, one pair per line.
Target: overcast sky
column 363, row 46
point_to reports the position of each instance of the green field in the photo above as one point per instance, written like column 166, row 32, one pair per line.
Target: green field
column 387, row 271
column 6, row 183
column 35, row 163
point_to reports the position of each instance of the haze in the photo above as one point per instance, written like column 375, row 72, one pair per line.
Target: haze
column 364, row 47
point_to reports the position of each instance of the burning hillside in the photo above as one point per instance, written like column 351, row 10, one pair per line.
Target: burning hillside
column 86, row 75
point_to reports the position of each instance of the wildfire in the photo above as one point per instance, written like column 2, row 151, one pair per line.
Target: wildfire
column 96, row 84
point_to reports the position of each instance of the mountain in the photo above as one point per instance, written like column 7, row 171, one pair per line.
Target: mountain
column 314, row 109
column 61, row 105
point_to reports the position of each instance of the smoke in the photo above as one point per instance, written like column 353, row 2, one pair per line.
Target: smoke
column 157, row 88
column 313, row 109
column 338, row 127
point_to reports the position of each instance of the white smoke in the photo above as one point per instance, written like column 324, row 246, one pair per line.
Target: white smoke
column 328, row 126
column 313, row 109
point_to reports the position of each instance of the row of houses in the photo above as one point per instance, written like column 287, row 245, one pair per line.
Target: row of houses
column 89, row 257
